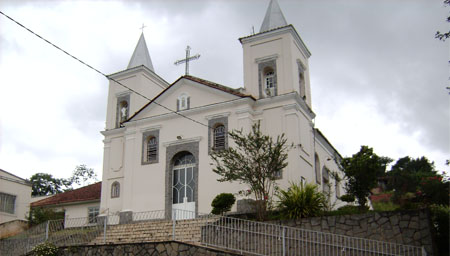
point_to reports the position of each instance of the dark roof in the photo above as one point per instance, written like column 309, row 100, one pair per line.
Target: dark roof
column 87, row 193
column 220, row 87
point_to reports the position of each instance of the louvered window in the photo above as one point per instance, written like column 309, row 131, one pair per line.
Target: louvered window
column 152, row 149
column 219, row 137
column 115, row 189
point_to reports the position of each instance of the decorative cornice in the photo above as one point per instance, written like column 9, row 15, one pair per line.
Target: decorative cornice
column 266, row 58
column 225, row 114
column 278, row 31
column 151, row 128
column 182, row 141
column 134, row 70
column 113, row 131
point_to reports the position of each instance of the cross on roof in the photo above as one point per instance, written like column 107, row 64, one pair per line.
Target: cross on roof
column 187, row 59
column 142, row 28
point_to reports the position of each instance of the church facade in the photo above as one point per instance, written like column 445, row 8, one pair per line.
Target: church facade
column 159, row 136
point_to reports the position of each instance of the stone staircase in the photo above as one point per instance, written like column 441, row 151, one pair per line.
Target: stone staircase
column 154, row 231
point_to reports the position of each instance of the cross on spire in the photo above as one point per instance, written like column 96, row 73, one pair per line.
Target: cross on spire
column 187, row 59
column 142, row 28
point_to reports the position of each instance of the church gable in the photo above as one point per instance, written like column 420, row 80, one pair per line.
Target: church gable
column 188, row 93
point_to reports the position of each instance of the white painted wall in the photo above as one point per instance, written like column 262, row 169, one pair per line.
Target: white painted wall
column 12, row 185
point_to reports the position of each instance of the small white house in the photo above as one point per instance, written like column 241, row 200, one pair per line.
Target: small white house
column 83, row 202
column 15, row 196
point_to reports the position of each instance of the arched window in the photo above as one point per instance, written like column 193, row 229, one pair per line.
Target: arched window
column 326, row 181
column 219, row 137
column 152, row 148
column 301, row 79
column 123, row 108
column 317, row 168
column 269, row 81
column 115, row 189
column 183, row 102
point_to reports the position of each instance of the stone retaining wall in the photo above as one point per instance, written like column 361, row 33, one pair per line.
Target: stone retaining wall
column 402, row 227
column 156, row 248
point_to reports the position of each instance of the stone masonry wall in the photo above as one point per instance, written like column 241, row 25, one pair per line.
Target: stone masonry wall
column 402, row 227
column 156, row 248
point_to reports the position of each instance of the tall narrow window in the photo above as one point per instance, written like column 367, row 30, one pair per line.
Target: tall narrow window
column 267, row 76
column 7, row 203
column 183, row 102
column 152, row 149
column 317, row 168
column 269, row 82
column 301, row 79
column 115, row 189
column 123, row 109
column 219, row 137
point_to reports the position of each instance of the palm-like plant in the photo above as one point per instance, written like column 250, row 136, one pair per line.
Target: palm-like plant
column 301, row 200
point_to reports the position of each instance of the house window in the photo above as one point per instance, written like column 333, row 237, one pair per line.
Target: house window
column 267, row 78
column 326, row 181
column 7, row 203
column 92, row 214
column 183, row 102
column 115, row 189
column 219, row 137
column 123, row 110
column 150, row 146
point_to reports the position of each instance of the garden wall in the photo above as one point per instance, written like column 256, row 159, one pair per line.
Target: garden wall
column 404, row 227
column 156, row 248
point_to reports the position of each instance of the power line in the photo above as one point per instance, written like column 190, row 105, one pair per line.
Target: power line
column 103, row 74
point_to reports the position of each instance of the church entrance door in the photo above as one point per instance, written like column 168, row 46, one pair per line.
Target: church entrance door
column 183, row 185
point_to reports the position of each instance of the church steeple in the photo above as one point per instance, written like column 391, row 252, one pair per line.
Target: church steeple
column 274, row 17
column 141, row 56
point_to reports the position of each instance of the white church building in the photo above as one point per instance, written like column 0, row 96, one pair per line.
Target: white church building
column 159, row 136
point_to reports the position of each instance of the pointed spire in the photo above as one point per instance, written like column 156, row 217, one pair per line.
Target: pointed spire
column 274, row 17
column 141, row 56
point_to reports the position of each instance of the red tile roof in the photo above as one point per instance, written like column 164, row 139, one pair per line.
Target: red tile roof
column 87, row 193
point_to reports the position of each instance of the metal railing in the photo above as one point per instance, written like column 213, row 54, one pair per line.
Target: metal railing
column 243, row 236
column 258, row 238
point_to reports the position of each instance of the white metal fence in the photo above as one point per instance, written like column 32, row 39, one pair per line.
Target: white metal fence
column 258, row 238
column 242, row 236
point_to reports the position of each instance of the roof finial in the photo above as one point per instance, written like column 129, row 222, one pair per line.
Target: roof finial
column 187, row 59
column 142, row 28
column 274, row 17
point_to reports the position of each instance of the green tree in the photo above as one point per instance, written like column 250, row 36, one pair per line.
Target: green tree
column 301, row 200
column 256, row 160
column 38, row 215
column 222, row 203
column 362, row 171
column 419, row 179
column 83, row 175
column 43, row 184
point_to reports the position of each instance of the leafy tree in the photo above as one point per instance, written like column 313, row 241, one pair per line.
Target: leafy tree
column 362, row 171
column 222, row 203
column 39, row 215
column 83, row 175
column 43, row 184
column 301, row 200
column 256, row 160
column 445, row 35
column 416, row 180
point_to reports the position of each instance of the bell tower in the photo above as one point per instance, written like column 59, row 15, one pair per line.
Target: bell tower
column 276, row 59
column 140, row 77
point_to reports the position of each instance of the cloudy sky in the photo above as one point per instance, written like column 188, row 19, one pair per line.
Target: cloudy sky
column 378, row 76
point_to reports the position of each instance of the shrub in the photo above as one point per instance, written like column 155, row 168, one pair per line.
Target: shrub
column 301, row 200
column 385, row 206
column 440, row 216
column 222, row 203
column 347, row 198
column 45, row 249
column 39, row 215
column 348, row 210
